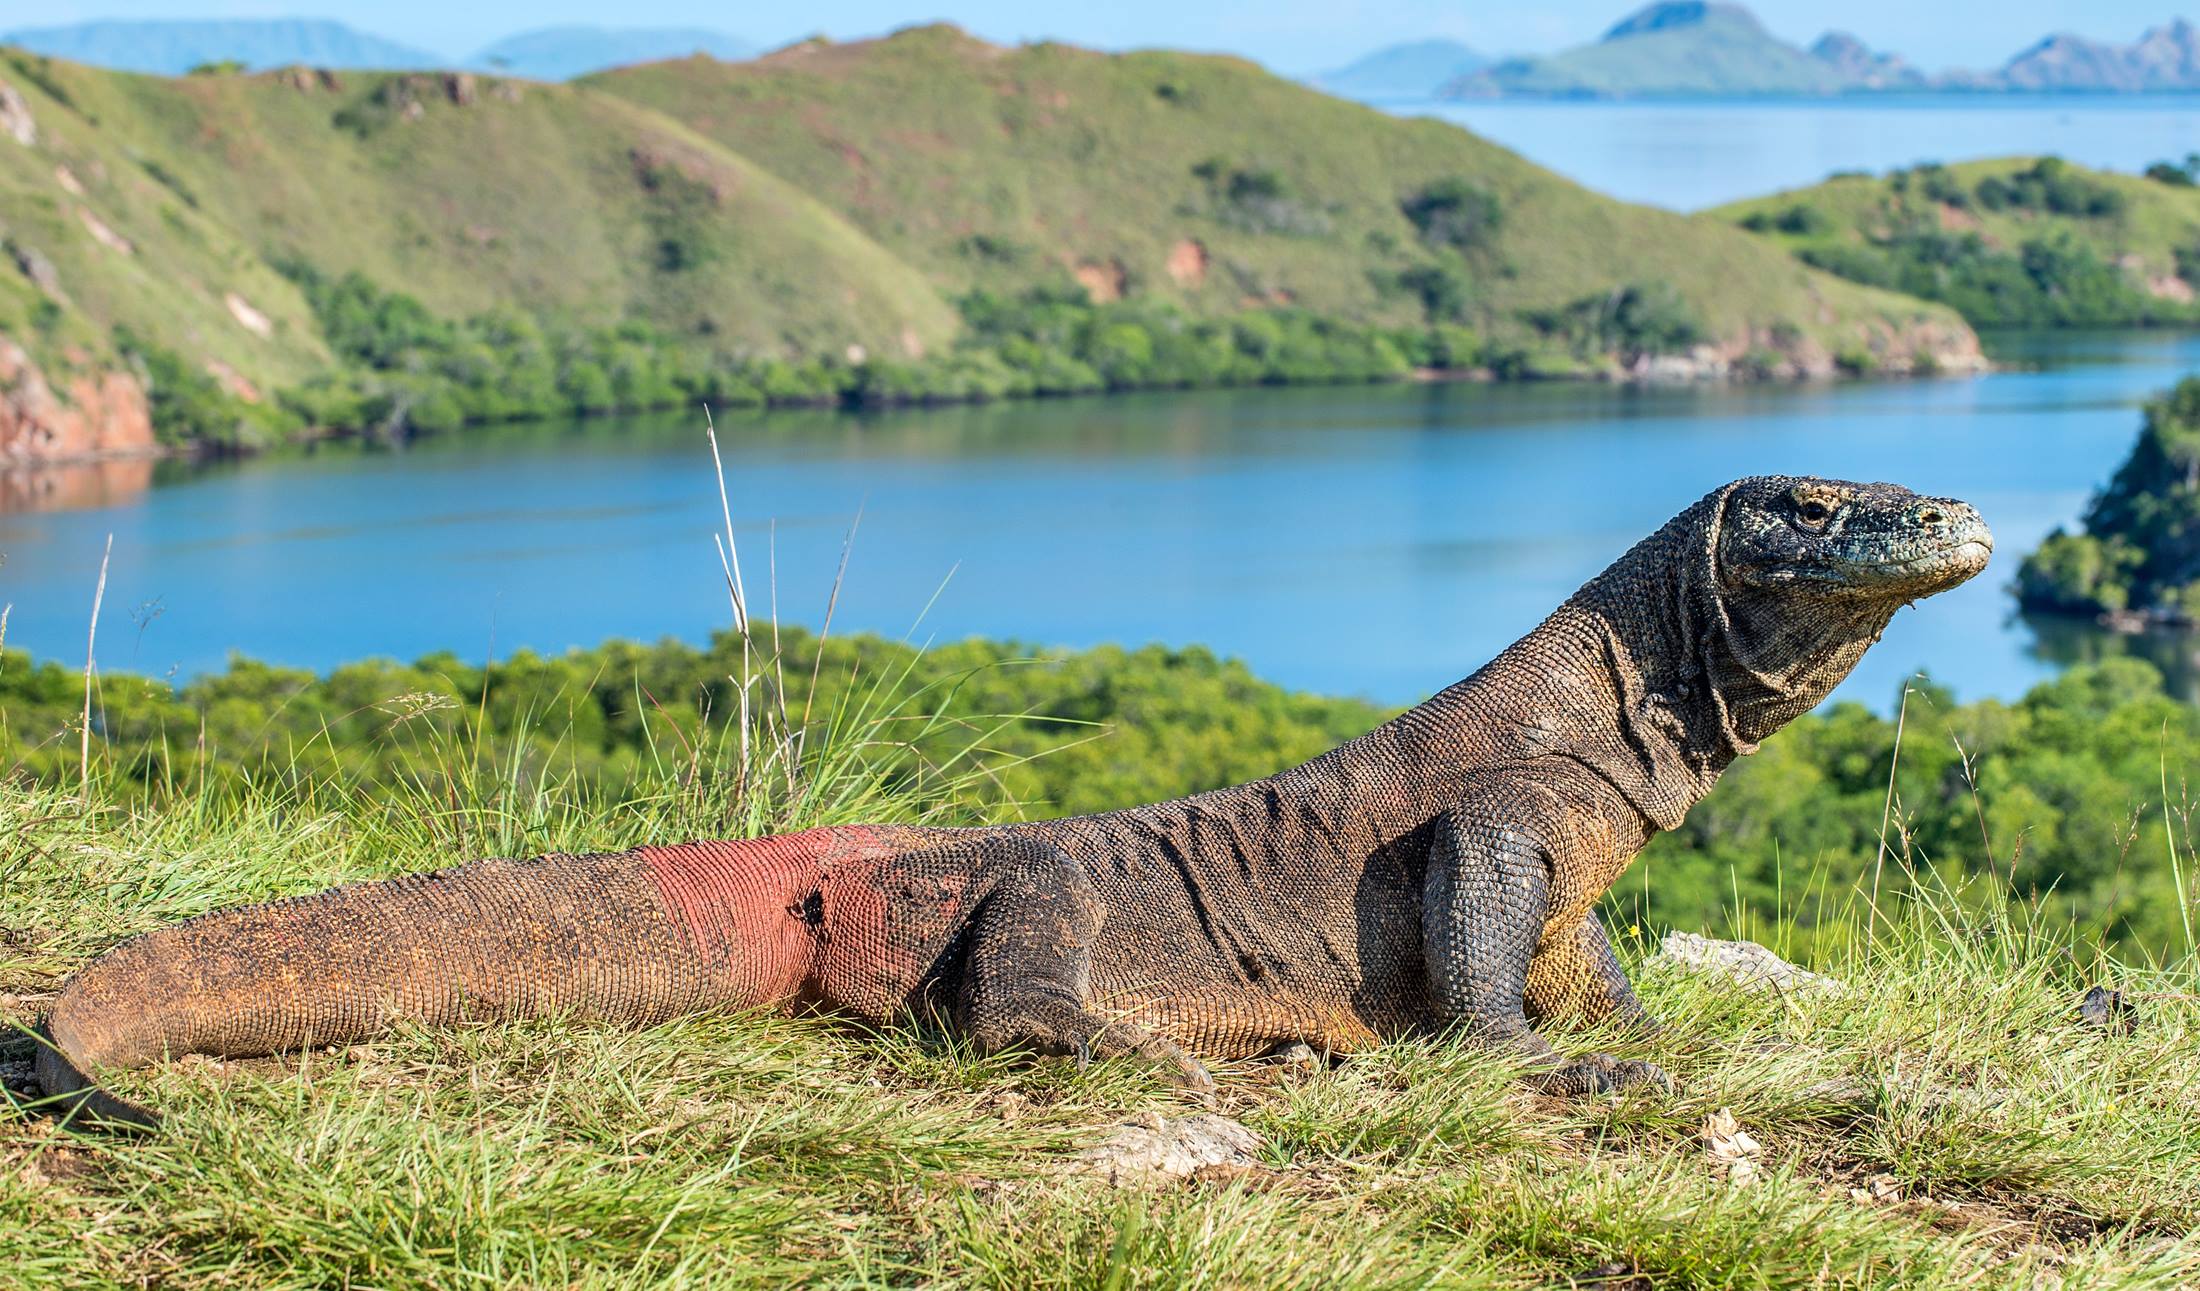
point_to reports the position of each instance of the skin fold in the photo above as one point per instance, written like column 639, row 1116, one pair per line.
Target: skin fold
column 1440, row 871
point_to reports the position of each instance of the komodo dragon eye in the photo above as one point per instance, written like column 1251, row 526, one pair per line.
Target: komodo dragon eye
column 1813, row 512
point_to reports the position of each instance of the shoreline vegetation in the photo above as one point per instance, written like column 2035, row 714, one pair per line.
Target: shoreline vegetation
column 405, row 372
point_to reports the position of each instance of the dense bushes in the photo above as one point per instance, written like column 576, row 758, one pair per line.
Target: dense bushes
column 2049, row 186
column 2058, row 796
column 192, row 407
column 1630, row 321
column 2045, row 794
column 2176, row 174
column 1455, row 213
column 2054, row 268
column 2054, row 280
column 406, row 370
column 2140, row 548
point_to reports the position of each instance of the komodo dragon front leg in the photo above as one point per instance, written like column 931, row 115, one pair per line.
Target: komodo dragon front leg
column 1491, row 955
column 1575, row 975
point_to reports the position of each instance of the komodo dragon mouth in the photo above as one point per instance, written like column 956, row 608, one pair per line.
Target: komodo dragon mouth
column 1441, row 871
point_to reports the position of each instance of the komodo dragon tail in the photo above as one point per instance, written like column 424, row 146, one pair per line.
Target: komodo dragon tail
column 637, row 937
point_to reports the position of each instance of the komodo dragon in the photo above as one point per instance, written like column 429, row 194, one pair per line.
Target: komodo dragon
column 1440, row 871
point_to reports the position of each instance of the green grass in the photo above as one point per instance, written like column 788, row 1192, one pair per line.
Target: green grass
column 1943, row 1122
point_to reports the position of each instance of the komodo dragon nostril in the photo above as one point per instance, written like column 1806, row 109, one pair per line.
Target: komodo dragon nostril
column 1930, row 515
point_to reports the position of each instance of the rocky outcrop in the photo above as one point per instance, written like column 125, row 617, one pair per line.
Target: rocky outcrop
column 104, row 416
column 1743, row 963
column 77, row 487
column 15, row 116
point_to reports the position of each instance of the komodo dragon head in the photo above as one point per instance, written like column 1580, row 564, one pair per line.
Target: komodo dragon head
column 1741, row 614
column 1796, row 577
column 1872, row 546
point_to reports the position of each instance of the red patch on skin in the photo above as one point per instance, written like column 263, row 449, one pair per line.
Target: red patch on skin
column 883, row 931
column 746, row 906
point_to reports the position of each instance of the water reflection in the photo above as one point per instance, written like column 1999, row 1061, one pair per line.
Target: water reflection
column 27, row 489
column 2064, row 641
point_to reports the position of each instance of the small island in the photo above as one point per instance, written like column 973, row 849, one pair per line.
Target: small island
column 2136, row 561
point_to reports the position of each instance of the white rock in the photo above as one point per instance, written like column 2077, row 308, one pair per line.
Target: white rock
column 1155, row 1148
column 1745, row 963
column 15, row 116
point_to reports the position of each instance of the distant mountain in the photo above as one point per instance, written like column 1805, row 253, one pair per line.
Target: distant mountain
column 1707, row 49
column 562, row 53
column 2163, row 59
column 173, row 48
column 1675, row 48
column 1862, row 68
column 1414, row 70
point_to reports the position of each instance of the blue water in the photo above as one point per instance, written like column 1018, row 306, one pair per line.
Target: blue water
column 1380, row 541
column 1687, row 156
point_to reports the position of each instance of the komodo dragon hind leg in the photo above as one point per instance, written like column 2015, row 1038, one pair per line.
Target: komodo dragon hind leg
column 1482, row 917
column 1027, row 980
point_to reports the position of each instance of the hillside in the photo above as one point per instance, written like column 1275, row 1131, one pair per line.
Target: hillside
column 164, row 208
column 173, row 48
column 1673, row 48
column 2015, row 241
column 1206, row 182
column 413, row 251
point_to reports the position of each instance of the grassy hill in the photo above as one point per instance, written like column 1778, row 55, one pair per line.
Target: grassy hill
column 2014, row 241
column 470, row 193
column 1206, row 181
column 406, row 249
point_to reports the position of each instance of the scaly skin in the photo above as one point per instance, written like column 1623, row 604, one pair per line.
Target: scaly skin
column 1440, row 871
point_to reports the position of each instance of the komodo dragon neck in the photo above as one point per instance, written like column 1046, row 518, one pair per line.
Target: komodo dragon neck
column 1653, row 675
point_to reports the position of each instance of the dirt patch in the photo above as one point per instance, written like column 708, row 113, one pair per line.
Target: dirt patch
column 102, row 234
column 1188, row 263
column 250, row 319
column 1103, row 282
column 233, row 381
column 1953, row 220
column 2169, row 286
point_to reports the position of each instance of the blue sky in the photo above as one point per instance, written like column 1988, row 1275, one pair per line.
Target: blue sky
column 1290, row 35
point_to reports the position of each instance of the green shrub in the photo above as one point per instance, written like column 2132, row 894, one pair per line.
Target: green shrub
column 1455, row 213
column 2140, row 548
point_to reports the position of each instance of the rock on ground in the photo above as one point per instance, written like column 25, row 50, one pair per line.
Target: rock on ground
column 1155, row 1148
column 1744, row 963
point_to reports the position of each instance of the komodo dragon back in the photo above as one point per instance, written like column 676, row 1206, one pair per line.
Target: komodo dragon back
column 1441, row 871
